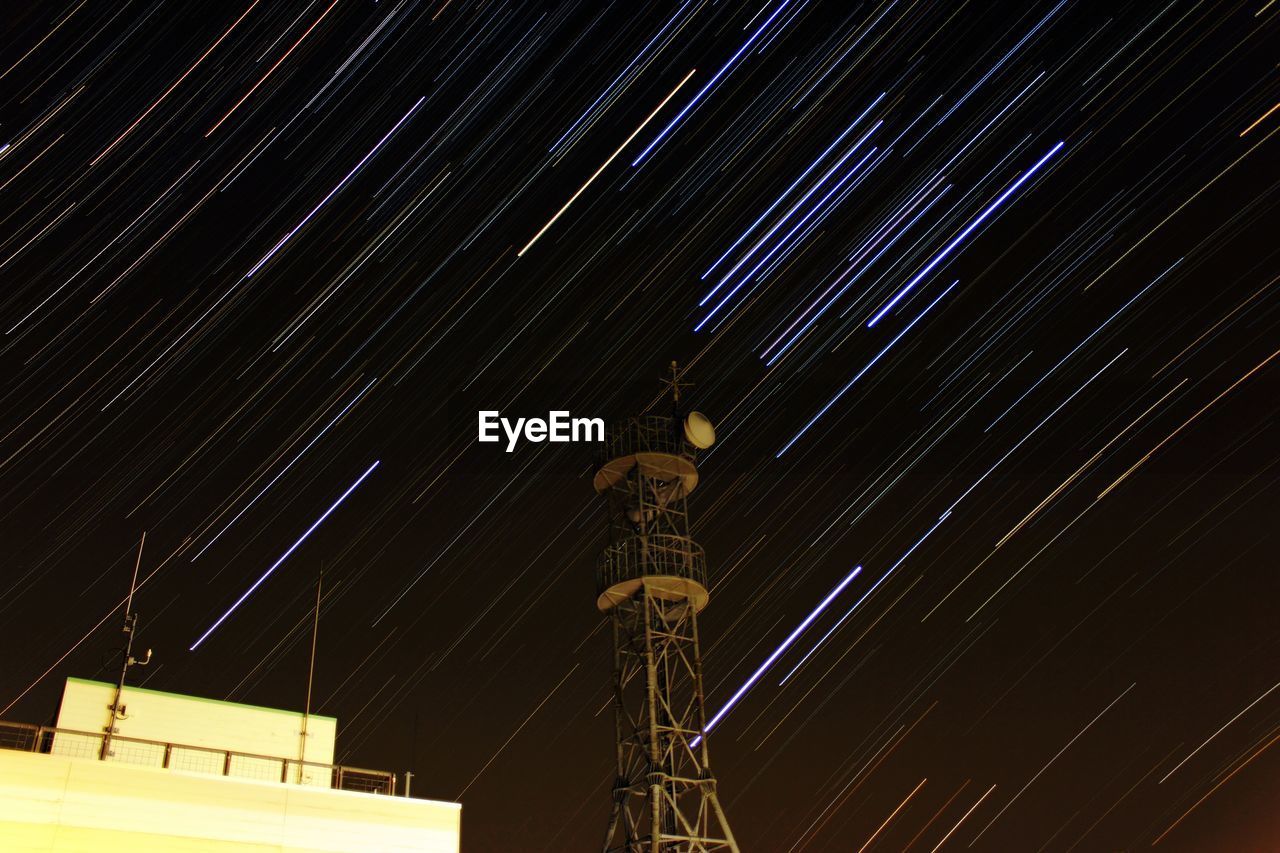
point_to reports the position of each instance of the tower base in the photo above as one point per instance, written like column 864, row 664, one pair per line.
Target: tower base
column 664, row 798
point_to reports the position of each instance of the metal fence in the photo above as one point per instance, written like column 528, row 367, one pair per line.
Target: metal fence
column 194, row 759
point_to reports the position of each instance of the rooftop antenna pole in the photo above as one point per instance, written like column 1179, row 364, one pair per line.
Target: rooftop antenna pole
column 126, row 659
column 311, row 670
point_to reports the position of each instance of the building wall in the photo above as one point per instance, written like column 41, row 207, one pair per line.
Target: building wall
column 172, row 718
column 58, row 803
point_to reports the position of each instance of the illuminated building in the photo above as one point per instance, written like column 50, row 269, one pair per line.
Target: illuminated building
column 183, row 773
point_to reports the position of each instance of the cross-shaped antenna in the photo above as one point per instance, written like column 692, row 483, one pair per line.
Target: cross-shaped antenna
column 674, row 384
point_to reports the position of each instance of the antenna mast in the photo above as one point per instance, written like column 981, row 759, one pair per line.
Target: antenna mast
column 311, row 671
column 126, row 659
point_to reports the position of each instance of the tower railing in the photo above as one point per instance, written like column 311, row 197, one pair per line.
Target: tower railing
column 644, row 434
column 655, row 554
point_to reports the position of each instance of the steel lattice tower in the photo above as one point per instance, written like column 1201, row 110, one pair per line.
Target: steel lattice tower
column 652, row 582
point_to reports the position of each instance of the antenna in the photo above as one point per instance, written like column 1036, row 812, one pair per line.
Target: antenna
column 127, row 659
column 698, row 429
column 674, row 385
column 311, row 670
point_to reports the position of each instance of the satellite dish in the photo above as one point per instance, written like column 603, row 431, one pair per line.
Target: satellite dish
column 698, row 430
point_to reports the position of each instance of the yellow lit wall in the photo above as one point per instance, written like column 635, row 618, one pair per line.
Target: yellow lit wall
column 58, row 803
column 175, row 718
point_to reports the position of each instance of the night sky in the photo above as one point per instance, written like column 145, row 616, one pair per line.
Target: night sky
column 981, row 297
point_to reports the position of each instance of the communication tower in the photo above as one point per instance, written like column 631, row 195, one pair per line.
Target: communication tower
column 652, row 582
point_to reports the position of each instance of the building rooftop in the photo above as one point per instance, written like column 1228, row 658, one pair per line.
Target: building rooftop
column 188, row 773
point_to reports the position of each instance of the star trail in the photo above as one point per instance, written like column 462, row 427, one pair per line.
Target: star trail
column 983, row 299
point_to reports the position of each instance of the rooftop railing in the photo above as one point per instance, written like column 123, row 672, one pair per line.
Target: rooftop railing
column 194, row 759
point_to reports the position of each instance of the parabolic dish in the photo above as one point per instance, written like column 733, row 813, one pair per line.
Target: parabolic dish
column 698, row 430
